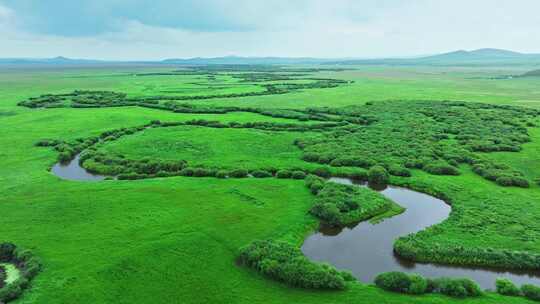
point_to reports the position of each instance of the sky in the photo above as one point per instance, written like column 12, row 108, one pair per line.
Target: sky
column 159, row 29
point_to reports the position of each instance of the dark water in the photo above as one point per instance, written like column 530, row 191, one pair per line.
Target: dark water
column 73, row 171
column 367, row 249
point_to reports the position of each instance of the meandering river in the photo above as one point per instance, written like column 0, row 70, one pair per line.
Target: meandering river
column 367, row 248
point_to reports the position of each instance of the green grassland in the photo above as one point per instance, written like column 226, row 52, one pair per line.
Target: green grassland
column 175, row 240
column 220, row 148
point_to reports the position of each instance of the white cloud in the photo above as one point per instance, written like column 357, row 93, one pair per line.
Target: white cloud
column 315, row 28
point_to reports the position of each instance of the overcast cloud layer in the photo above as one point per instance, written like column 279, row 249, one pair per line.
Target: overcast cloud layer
column 157, row 29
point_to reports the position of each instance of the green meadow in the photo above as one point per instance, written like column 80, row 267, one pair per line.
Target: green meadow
column 177, row 239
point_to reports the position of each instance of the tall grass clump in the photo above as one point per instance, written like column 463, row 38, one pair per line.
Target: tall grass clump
column 286, row 263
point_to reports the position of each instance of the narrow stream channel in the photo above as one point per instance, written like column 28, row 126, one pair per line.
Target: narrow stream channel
column 367, row 249
column 73, row 171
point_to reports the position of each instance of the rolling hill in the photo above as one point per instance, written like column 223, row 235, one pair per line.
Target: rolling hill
column 458, row 58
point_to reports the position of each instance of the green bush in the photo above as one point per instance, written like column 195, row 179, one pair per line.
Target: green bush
column 506, row 287
column 285, row 262
column 531, row 292
column 402, row 282
column 322, row 172
column 441, row 168
column 458, row 288
column 314, row 183
column 298, row 175
column 65, row 156
column 238, row 173
column 7, row 252
column 221, row 174
column 338, row 205
column 504, row 181
column 187, row 172
column 283, row 174
column 399, row 171
column 378, row 175
column 416, row 284
column 261, row 174
column 201, row 172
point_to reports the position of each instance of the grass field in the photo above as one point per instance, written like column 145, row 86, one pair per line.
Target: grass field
column 219, row 148
column 175, row 240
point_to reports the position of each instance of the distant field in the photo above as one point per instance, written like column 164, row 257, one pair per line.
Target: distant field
column 176, row 239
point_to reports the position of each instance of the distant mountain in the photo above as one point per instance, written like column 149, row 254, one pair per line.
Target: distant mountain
column 535, row 73
column 481, row 57
column 48, row 61
column 246, row 60
column 459, row 58
column 233, row 60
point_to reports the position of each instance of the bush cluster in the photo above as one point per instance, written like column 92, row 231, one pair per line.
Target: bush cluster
column 503, row 175
column 505, row 287
column 286, row 263
column 416, row 284
column 414, row 248
column 94, row 99
column 339, row 205
column 28, row 265
column 531, row 292
column 378, row 175
column 433, row 136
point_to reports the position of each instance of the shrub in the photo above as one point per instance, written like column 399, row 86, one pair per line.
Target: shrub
column 261, row 174
column 221, row 174
column 238, row 173
column 458, row 288
column 339, row 205
column 7, row 251
column 506, row 287
column 314, row 183
column 310, row 157
column 531, row 292
column 187, row 172
column 399, row 171
column 284, row 174
column 64, row 156
column 201, row 172
column 402, row 282
column 393, row 281
column 520, row 182
column 298, row 175
column 322, row 172
column 284, row 262
column 378, row 175
column 504, row 181
column 418, row 284
column 441, row 168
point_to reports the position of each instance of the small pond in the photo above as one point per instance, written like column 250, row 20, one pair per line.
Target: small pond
column 367, row 248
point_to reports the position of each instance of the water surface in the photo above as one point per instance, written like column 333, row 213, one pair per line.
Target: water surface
column 367, row 249
column 73, row 171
